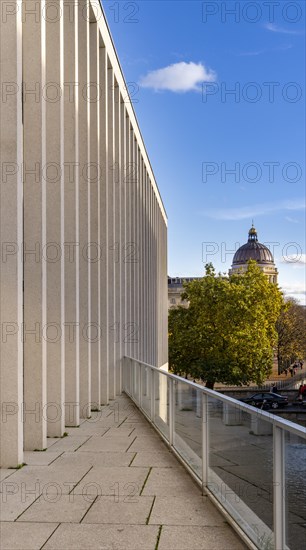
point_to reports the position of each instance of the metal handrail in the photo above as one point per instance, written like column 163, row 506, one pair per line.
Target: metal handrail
column 277, row 421
column 133, row 385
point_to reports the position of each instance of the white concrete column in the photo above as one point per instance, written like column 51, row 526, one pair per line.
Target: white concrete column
column 95, row 255
column 123, row 289
column 147, row 270
column 35, row 280
column 117, row 332
column 164, row 334
column 131, row 244
column 82, row 206
column 11, row 222
column 231, row 416
column 128, row 235
column 111, row 233
column 103, row 115
column 141, row 261
column 152, row 276
column 71, row 233
column 54, row 255
column 136, row 258
column 155, row 278
column 148, row 297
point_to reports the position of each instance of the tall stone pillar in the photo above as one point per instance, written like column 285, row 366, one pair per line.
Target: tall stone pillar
column 54, row 255
column 82, row 207
column 131, row 243
column 123, row 289
column 95, row 255
column 104, row 213
column 135, row 254
column 128, row 234
column 11, row 222
column 111, row 247
column 70, row 136
column 35, row 233
column 118, row 256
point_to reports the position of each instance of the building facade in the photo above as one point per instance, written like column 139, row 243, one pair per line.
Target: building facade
column 83, row 275
column 253, row 250
column 175, row 289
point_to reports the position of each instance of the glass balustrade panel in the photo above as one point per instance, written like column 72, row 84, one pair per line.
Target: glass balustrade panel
column 187, row 437
column 161, row 402
column 240, row 468
column 295, row 483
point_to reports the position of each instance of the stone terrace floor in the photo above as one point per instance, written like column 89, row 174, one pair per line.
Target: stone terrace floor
column 113, row 484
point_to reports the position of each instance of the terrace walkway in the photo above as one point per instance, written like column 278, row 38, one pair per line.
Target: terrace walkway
column 110, row 484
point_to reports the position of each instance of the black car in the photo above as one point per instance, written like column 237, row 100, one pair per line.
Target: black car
column 266, row 400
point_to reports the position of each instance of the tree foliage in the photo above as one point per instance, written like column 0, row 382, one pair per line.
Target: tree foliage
column 227, row 333
column 291, row 329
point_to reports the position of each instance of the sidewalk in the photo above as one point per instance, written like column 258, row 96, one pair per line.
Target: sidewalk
column 110, row 484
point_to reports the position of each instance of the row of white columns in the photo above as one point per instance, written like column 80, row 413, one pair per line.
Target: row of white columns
column 83, row 229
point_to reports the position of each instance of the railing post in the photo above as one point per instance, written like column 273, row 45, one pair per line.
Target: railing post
column 140, row 385
column 122, row 363
column 205, row 449
column 152, row 395
column 134, row 379
column 131, row 377
column 171, row 410
column 279, row 488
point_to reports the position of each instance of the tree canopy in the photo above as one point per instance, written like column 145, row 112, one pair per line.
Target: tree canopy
column 227, row 334
column 291, row 329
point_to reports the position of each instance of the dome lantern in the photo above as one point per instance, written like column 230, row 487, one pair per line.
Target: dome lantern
column 252, row 234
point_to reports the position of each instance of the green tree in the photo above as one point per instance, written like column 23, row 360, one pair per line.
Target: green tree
column 228, row 332
column 291, row 329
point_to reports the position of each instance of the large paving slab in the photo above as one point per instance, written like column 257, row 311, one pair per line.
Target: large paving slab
column 170, row 482
column 164, row 459
column 107, row 443
column 71, row 443
column 105, row 459
column 40, row 458
column 49, row 479
column 147, row 443
column 57, row 509
column 185, row 511
column 112, row 481
column 104, row 537
column 198, row 538
column 131, row 510
column 25, row 536
column 13, row 504
column 5, row 473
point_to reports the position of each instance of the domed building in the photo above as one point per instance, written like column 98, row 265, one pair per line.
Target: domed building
column 253, row 250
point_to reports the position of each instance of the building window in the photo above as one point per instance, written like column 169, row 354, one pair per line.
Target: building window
column 173, row 301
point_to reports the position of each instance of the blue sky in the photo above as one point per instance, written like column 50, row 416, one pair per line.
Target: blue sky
column 181, row 58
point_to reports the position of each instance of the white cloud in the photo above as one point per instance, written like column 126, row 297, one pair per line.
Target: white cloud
column 291, row 220
column 247, row 212
column 179, row 77
column 293, row 288
column 276, row 28
column 294, row 259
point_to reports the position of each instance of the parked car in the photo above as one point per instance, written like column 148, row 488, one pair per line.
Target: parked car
column 266, row 400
